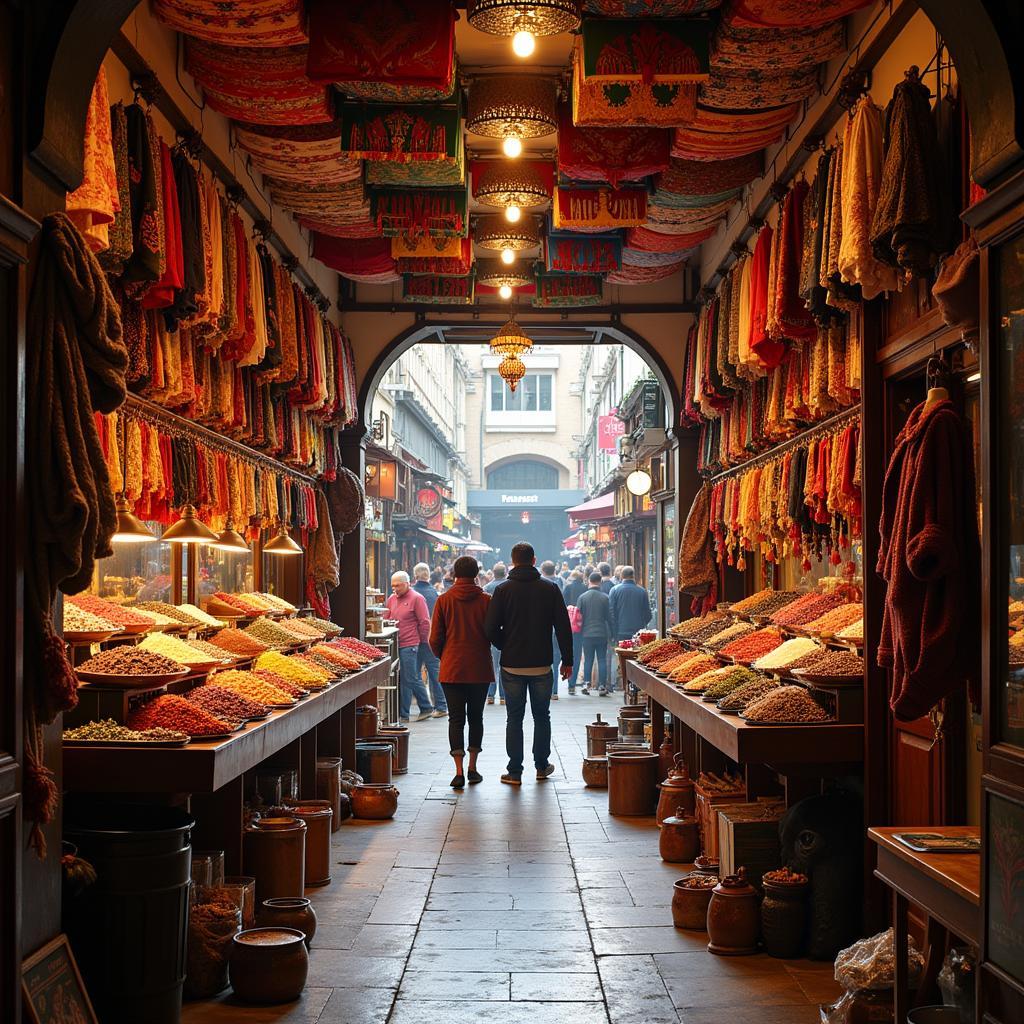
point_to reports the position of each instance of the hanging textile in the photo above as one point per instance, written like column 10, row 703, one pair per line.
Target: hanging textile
column 236, row 22
column 696, row 573
column 144, row 193
column 791, row 318
column 430, row 173
column 338, row 204
column 261, row 85
column 800, row 14
column 413, row 213
column 743, row 88
column 719, row 134
column 644, row 275
column 76, row 364
column 94, row 204
column 394, row 44
column 161, row 293
column 440, row 263
column 582, row 208
column 663, row 52
column 640, row 258
column 356, row 258
column 305, row 153
column 424, row 288
column 557, row 291
column 119, row 233
column 738, row 46
column 646, row 239
column 430, row 131
column 648, row 8
column 692, row 183
column 322, row 573
column 339, row 228
column 582, row 254
column 611, row 155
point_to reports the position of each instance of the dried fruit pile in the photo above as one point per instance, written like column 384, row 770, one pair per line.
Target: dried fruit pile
column 784, row 655
column 688, row 627
column 710, row 628
column 666, row 652
column 169, row 711
column 279, row 682
column 360, row 647
column 204, row 618
column 225, row 703
column 853, row 633
column 130, row 661
column 783, row 876
column 693, row 668
column 328, row 629
column 106, row 730
column 753, row 645
column 300, row 629
column 339, row 659
column 786, row 704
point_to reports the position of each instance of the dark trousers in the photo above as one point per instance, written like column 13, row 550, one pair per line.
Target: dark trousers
column 517, row 689
column 596, row 648
column 465, row 700
column 577, row 658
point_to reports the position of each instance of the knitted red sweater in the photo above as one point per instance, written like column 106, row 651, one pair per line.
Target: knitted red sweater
column 930, row 558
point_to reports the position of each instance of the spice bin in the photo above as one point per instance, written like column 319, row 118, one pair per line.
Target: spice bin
column 268, row 965
column 734, row 922
column 784, row 913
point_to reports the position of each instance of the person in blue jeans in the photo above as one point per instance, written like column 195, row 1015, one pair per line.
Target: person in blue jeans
column 630, row 607
column 547, row 573
column 574, row 589
column 421, row 574
column 520, row 618
column 595, row 607
column 410, row 610
column 500, row 571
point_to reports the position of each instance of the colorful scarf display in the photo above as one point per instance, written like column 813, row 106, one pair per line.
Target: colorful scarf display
column 413, row 213
column 585, row 208
column 582, row 254
column 402, row 44
column 306, row 153
column 440, row 262
column 259, row 85
column 236, row 22
column 402, row 133
column 611, row 155
column 416, row 288
column 557, row 291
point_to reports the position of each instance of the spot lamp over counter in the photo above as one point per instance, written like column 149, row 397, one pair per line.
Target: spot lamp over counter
column 281, row 543
column 512, row 108
column 188, row 529
column 230, row 540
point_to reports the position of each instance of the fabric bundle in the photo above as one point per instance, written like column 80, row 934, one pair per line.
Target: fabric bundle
column 611, row 155
column 640, row 258
column 304, row 153
column 261, row 85
column 343, row 203
column 629, row 274
column 799, row 14
column 441, row 265
column 237, row 22
column 743, row 88
column 600, row 208
column 719, row 134
column 357, row 259
column 737, row 46
column 646, row 239
column 697, row 574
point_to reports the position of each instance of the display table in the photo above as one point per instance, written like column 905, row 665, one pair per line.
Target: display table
column 945, row 886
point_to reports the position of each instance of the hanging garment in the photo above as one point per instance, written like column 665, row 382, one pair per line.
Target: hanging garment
column 161, row 294
column 697, row 574
column 119, row 234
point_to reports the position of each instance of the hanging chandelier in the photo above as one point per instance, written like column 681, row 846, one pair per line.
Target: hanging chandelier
column 513, row 186
column 493, row 231
column 512, row 108
column 510, row 341
column 512, row 370
column 495, row 274
column 512, row 17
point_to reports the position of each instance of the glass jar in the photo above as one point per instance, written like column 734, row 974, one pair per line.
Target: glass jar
column 242, row 889
column 215, row 919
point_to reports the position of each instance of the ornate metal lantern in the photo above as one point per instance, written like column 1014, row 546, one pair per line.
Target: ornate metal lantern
column 512, row 370
column 510, row 341
column 512, row 106
column 507, row 17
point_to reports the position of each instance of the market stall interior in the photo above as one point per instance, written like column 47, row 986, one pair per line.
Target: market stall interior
column 221, row 223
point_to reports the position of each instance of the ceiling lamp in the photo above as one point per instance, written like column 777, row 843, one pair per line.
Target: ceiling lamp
column 282, row 543
column 492, row 231
column 510, row 341
column 130, row 528
column 514, row 186
column 512, row 370
column 230, row 540
column 523, row 21
column 188, row 529
column 512, row 108
column 496, row 275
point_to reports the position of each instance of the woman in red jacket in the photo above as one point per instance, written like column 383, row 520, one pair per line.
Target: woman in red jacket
column 457, row 637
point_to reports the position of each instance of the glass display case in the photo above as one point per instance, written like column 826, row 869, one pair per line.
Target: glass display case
column 135, row 572
column 229, row 571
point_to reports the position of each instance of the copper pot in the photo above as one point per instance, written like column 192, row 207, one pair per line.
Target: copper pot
column 632, row 782
column 274, row 853
column 734, row 919
column 676, row 791
column 666, row 755
column 690, row 904
column 367, row 721
column 318, row 816
column 328, row 786
column 374, row 801
column 679, row 842
column 294, row 912
column 398, row 737
column 600, row 733
column 595, row 772
column 373, row 761
column 268, row 965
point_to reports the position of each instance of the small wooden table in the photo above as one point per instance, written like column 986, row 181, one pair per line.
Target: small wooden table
column 946, row 886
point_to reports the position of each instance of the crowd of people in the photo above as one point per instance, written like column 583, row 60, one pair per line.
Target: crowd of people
column 468, row 636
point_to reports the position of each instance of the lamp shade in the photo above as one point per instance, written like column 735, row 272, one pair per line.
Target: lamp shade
column 130, row 528
column 539, row 18
column 282, row 543
column 188, row 529
column 510, row 341
column 230, row 540
column 516, row 106
column 512, row 183
column 492, row 231
column 494, row 274
column 638, row 482
column 512, row 370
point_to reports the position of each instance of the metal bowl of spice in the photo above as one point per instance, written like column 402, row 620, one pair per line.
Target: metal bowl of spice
column 130, row 668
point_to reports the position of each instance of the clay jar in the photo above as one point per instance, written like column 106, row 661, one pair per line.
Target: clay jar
column 328, row 786
column 595, row 772
column 268, row 965
column 375, row 801
column 367, row 721
column 293, row 912
column 734, row 919
column 632, row 782
column 679, row 842
column 274, row 853
column 690, row 898
column 318, row 815
column 600, row 733
column 784, row 918
column 676, row 791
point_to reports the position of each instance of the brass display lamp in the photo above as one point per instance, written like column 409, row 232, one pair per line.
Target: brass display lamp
column 188, row 529
column 282, row 543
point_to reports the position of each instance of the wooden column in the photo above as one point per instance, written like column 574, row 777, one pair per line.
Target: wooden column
column 348, row 601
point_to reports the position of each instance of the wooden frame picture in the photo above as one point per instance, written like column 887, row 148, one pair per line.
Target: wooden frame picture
column 52, row 989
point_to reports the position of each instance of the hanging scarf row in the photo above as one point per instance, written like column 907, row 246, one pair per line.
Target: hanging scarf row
column 806, row 500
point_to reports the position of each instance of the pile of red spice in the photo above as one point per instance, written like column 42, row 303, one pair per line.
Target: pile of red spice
column 169, row 711
column 116, row 613
column 753, row 645
column 360, row 647
column 224, row 703
column 806, row 609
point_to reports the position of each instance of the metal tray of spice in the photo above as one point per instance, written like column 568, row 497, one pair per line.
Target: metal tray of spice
column 148, row 682
column 93, row 636
column 758, row 721
column 126, row 743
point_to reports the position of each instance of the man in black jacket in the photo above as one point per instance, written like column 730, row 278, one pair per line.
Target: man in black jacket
column 520, row 618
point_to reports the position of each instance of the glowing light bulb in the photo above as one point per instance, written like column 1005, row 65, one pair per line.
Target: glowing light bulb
column 512, row 214
column 512, row 147
column 508, row 256
column 505, row 291
column 523, row 43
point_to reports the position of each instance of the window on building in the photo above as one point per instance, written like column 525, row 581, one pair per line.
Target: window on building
column 525, row 475
column 532, row 395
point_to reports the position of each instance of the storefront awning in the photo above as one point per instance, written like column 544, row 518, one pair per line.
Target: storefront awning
column 446, row 538
column 478, row 547
column 593, row 511
column 572, row 540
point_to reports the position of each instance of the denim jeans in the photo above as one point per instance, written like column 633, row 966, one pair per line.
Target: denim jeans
column 432, row 664
column 496, row 685
column 577, row 659
column 410, row 684
column 596, row 648
column 517, row 688
column 556, row 663
column 465, row 700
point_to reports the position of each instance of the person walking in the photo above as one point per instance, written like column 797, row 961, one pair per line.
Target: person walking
column 520, row 619
column 410, row 610
column 605, row 569
column 421, row 575
column 547, row 573
column 630, row 608
column 574, row 590
column 500, row 572
column 595, row 606
column 458, row 639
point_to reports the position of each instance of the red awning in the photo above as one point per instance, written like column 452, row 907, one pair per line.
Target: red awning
column 593, row 511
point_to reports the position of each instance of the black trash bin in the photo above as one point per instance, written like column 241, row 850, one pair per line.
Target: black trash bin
column 129, row 930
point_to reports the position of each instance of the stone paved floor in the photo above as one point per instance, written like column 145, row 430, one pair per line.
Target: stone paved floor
column 517, row 905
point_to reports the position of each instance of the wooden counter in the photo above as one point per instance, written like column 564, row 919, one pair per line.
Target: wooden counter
column 777, row 745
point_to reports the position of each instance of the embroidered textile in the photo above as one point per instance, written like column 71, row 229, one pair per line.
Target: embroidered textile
column 343, row 203
column 412, row 213
column 439, row 263
column 555, row 291
column 738, row 89
column 576, row 208
column 416, row 288
column 236, row 22
column 119, row 234
column 403, row 133
column 644, row 275
column 640, row 258
column 789, row 13
column 648, row 8
column 773, row 48
column 643, row 50
column 645, row 239
column 308, row 153
column 343, row 229
column 612, row 155
column 431, row 173
column 144, row 193
column 699, row 182
column 582, row 254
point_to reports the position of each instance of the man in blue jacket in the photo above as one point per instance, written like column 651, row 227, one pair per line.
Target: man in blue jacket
column 597, row 629
column 630, row 607
column 427, row 660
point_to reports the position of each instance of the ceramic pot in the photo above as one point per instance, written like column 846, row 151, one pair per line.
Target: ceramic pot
column 632, row 782
column 295, row 912
column 375, row 801
column 268, row 965
column 274, row 853
column 679, row 842
column 367, row 721
column 734, row 919
column 679, row 780
column 398, row 737
column 318, row 816
column 600, row 733
column 784, row 919
column 690, row 904
column 595, row 772
column 373, row 761
column 666, row 755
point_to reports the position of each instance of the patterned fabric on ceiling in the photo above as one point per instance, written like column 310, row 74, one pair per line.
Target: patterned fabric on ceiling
column 648, row 8
column 557, row 291
column 299, row 152
column 582, row 254
column 588, row 208
column 362, row 257
column 798, row 14
column 458, row 290
column 400, row 133
column 612, row 155
column 236, row 22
